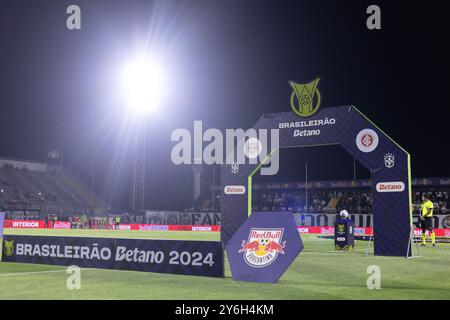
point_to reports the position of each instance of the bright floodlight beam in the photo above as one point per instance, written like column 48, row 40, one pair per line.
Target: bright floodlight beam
column 143, row 83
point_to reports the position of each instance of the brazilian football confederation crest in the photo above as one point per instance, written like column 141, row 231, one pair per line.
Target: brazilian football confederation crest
column 9, row 247
column 305, row 98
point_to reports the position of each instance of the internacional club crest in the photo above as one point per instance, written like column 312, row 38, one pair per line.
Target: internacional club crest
column 9, row 247
column 389, row 160
column 263, row 246
column 367, row 140
column 305, row 98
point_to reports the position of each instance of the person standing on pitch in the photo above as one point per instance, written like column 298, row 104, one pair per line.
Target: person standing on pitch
column 55, row 218
column 46, row 220
column 426, row 222
column 117, row 222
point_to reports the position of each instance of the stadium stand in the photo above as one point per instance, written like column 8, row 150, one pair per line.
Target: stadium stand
column 323, row 196
column 31, row 190
column 355, row 200
column 319, row 201
column 28, row 189
column 439, row 196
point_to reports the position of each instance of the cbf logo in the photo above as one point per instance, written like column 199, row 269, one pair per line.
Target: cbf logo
column 389, row 160
column 9, row 247
column 263, row 246
column 303, row 97
column 234, row 168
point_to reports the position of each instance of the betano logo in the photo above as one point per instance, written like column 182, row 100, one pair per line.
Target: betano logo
column 390, row 186
column 305, row 94
column 234, row 190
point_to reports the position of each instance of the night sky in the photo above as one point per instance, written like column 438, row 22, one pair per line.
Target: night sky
column 227, row 62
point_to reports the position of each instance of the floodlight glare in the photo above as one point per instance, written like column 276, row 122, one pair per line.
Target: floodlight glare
column 143, row 84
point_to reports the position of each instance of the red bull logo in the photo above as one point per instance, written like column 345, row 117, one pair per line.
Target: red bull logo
column 263, row 246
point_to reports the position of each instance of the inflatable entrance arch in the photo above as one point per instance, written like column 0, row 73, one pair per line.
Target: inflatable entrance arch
column 387, row 161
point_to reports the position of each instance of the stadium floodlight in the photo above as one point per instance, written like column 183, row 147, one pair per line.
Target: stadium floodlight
column 143, row 85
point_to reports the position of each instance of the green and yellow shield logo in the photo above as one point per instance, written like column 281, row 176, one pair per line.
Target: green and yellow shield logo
column 341, row 227
column 9, row 247
column 305, row 98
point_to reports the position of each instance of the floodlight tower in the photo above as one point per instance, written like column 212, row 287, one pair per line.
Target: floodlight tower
column 143, row 87
column 138, row 191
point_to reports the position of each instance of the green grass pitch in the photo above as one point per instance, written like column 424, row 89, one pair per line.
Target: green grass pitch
column 318, row 273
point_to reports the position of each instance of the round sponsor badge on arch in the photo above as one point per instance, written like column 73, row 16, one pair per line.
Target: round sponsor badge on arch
column 367, row 140
column 252, row 148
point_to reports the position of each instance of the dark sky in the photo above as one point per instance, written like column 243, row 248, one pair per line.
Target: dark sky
column 227, row 63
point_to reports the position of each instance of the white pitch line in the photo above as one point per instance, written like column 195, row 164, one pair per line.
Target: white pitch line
column 32, row 272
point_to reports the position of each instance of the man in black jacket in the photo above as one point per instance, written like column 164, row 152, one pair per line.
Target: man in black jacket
column 46, row 218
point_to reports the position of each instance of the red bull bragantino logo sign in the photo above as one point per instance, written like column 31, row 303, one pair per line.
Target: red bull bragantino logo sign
column 263, row 246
